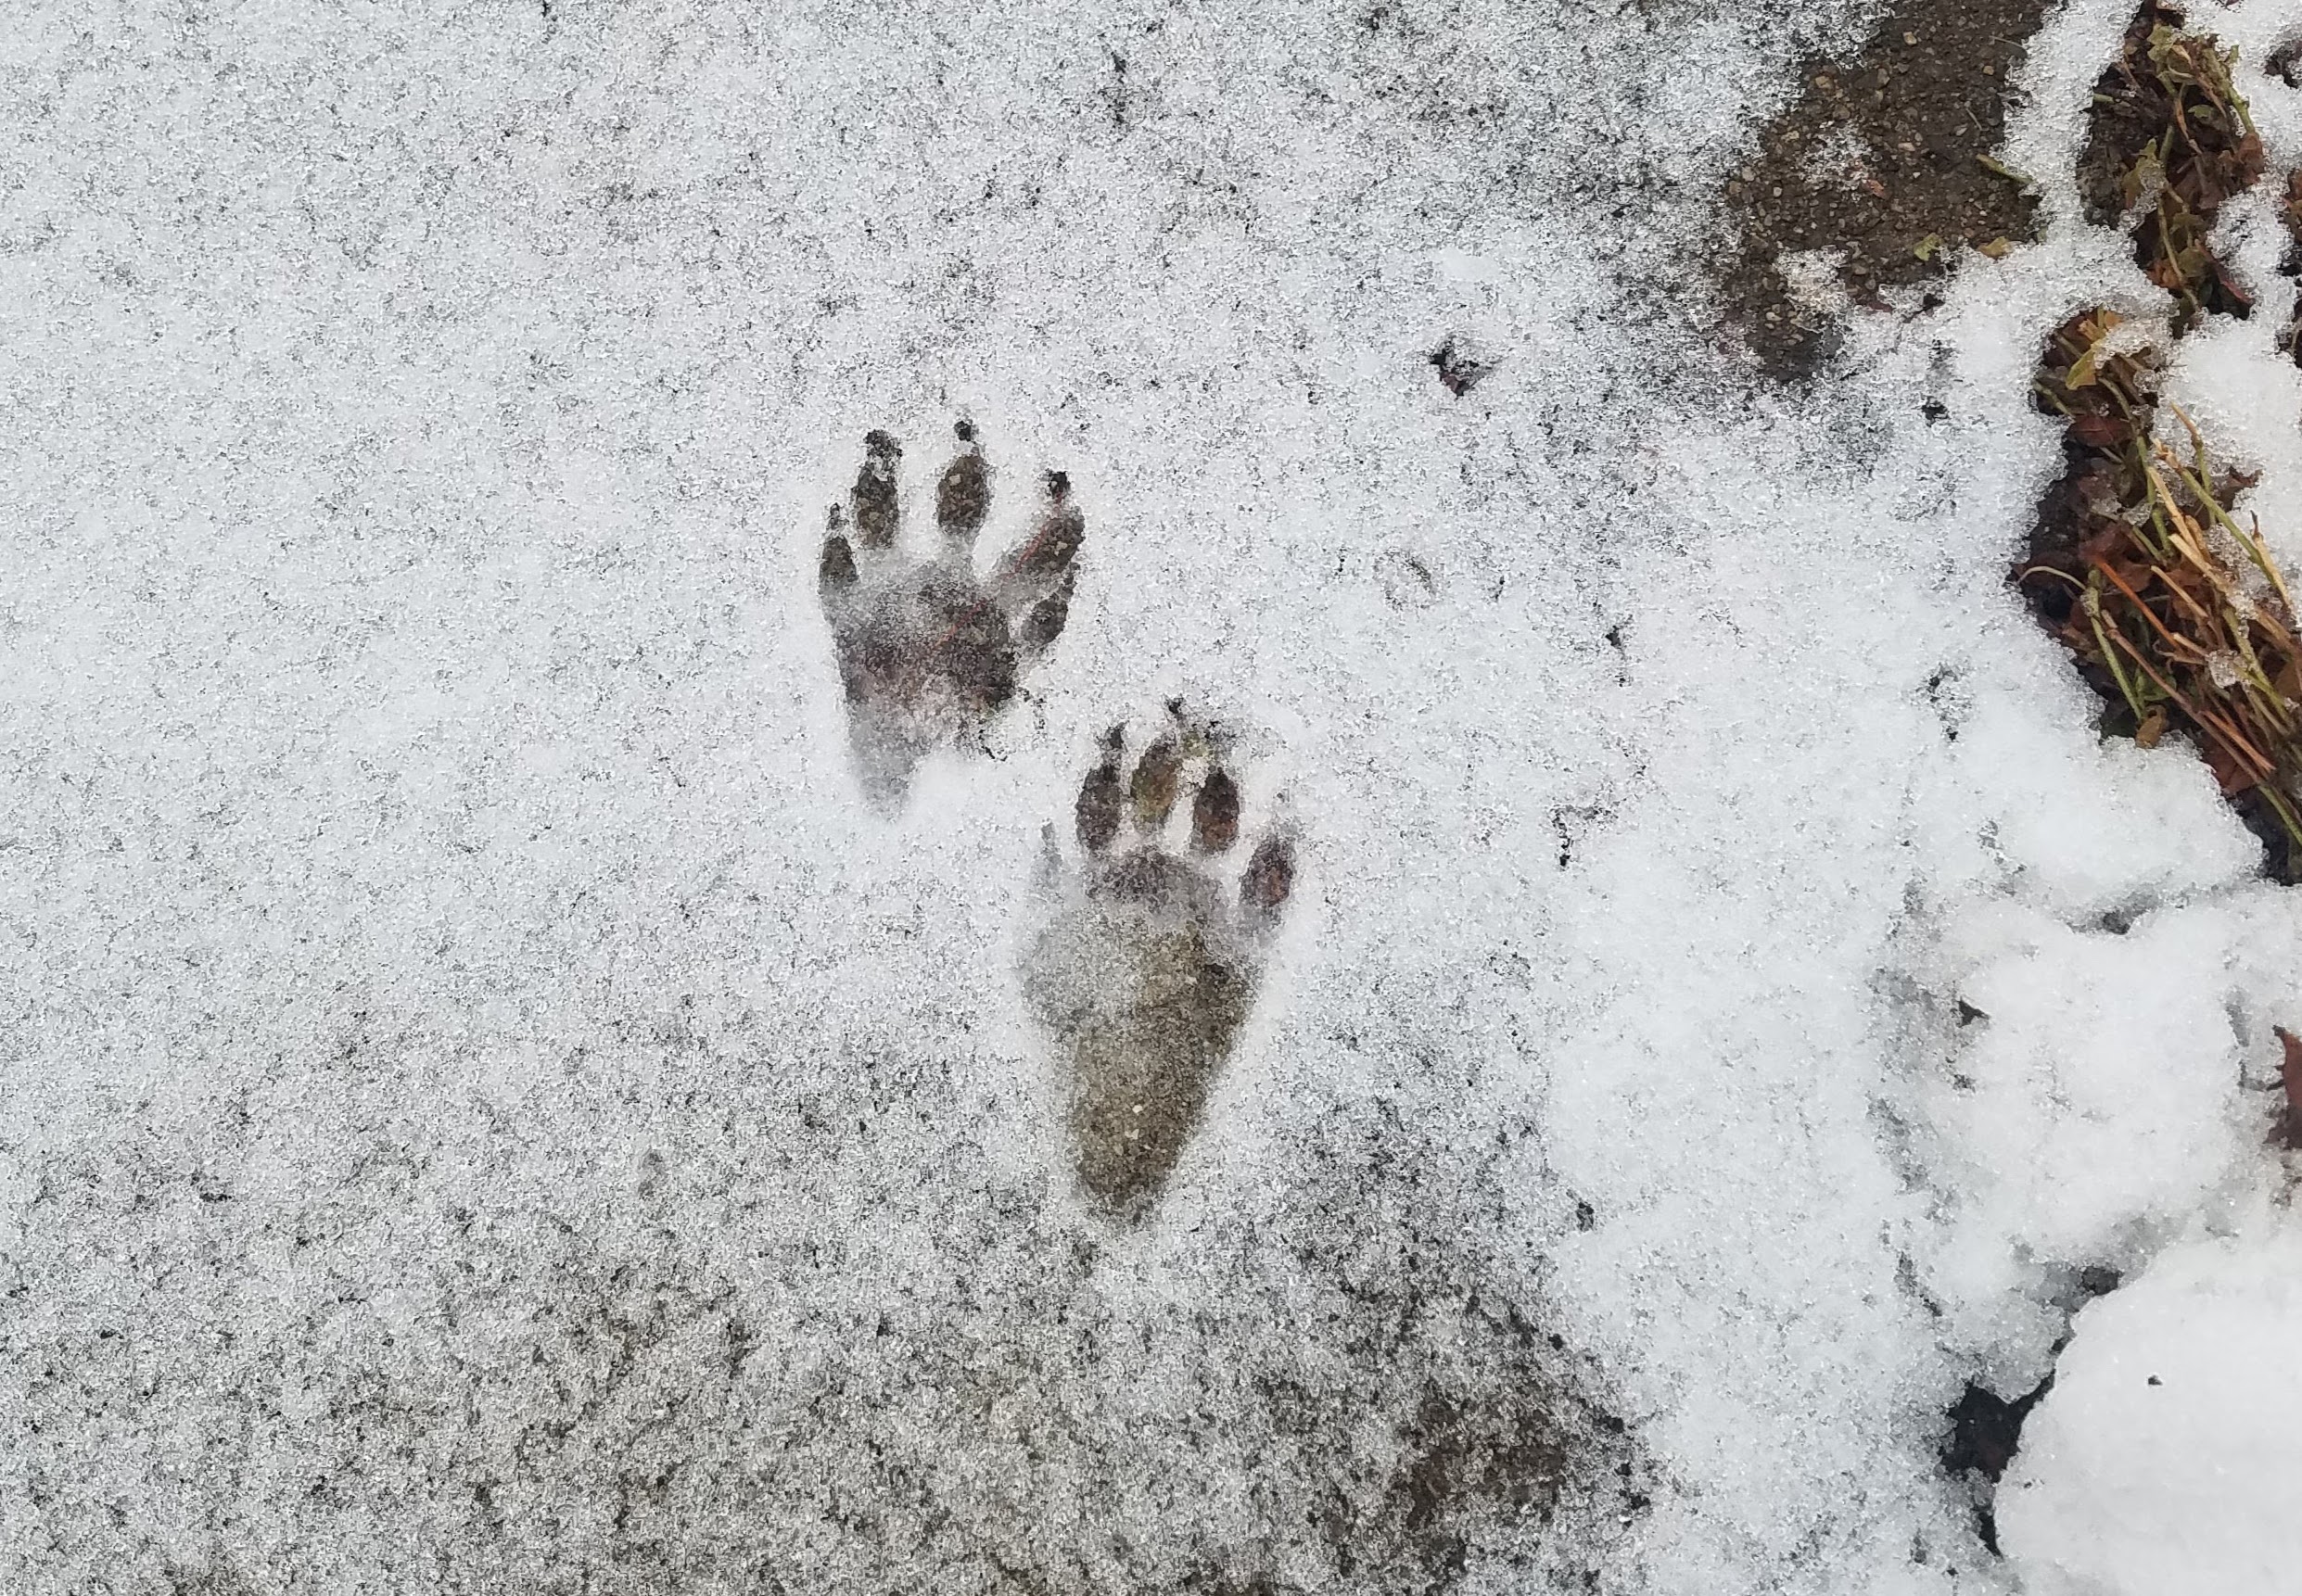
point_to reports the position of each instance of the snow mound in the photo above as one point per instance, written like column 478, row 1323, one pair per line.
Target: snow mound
column 2165, row 1457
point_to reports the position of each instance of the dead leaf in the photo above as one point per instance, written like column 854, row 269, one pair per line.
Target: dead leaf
column 2082, row 369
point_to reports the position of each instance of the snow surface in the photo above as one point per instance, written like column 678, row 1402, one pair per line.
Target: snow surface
column 487, row 1106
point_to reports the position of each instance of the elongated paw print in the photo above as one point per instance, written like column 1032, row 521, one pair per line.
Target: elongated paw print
column 929, row 652
column 1150, row 962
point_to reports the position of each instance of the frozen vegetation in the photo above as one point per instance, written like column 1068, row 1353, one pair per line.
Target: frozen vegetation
column 555, row 1038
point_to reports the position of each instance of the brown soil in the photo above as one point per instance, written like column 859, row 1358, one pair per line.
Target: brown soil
column 2284, row 63
column 1986, row 1432
column 1888, row 158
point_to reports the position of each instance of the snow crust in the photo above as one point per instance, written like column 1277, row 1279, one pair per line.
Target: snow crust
column 487, row 1104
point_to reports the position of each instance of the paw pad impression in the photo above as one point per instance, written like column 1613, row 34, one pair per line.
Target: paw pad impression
column 930, row 652
column 1150, row 961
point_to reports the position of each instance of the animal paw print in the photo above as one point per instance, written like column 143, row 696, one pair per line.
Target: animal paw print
column 1148, row 965
column 928, row 652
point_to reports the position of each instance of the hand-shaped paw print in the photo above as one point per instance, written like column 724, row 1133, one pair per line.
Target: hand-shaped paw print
column 929, row 652
column 1150, row 964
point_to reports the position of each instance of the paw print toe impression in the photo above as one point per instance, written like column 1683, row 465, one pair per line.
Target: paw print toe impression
column 929, row 651
column 1151, row 957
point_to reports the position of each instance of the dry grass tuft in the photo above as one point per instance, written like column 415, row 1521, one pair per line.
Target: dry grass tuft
column 2168, row 137
column 2177, row 613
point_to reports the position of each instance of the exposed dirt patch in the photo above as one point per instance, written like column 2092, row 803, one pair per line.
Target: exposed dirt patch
column 1888, row 159
column 2284, row 63
column 1986, row 1432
